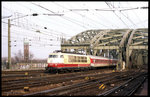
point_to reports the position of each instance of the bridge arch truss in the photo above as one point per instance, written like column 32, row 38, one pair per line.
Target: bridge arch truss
column 122, row 44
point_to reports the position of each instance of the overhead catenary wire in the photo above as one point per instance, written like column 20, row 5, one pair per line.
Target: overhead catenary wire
column 124, row 15
column 47, row 20
column 18, row 34
column 135, row 14
column 81, row 15
column 117, row 15
column 43, row 27
column 28, row 36
column 54, row 12
column 67, row 18
column 32, row 43
column 34, row 30
column 98, row 15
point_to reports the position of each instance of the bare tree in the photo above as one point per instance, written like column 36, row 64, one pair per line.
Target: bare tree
column 4, row 62
column 31, row 55
column 19, row 56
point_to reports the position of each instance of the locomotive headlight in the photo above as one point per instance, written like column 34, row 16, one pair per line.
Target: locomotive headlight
column 48, row 61
column 92, row 64
column 46, row 65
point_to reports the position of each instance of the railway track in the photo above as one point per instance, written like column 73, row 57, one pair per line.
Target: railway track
column 12, row 74
column 44, row 80
column 83, row 83
column 127, row 88
column 21, row 72
column 75, row 89
column 30, row 75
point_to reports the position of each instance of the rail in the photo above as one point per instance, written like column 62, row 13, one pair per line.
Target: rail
column 82, row 86
column 127, row 88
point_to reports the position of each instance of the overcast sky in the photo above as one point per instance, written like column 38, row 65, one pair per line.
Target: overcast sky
column 44, row 32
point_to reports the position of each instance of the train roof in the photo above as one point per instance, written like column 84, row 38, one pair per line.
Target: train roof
column 60, row 53
column 100, row 57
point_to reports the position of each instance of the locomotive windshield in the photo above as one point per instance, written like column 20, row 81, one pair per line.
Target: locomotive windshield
column 61, row 56
column 56, row 56
column 53, row 56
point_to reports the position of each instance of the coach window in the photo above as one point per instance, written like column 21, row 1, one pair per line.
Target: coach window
column 70, row 58
column 75, row 59
column 85, row 59
column 79, row 59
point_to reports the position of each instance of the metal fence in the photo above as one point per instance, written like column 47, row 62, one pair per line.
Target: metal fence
column 26, row 66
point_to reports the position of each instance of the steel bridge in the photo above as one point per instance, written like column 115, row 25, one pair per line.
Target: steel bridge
column 130, row 46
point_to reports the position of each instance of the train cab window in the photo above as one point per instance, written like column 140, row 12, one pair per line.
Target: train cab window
column 61, row 56
column 50, row 56
column 53, row 56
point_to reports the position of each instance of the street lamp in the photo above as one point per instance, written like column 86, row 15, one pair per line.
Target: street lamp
column 9, row 41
